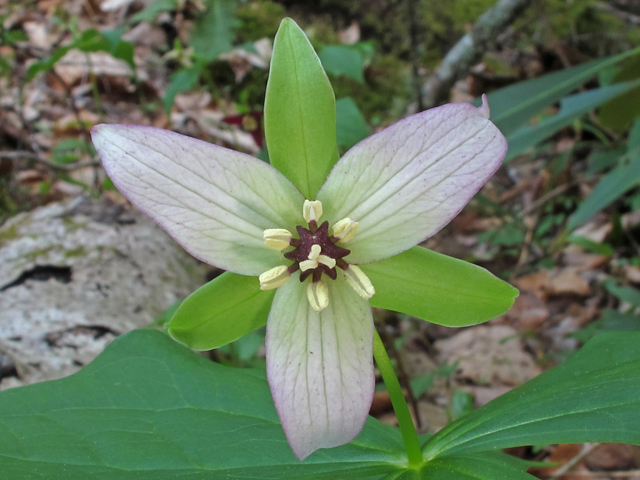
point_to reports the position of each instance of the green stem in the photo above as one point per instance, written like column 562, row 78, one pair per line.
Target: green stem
column 399, row 403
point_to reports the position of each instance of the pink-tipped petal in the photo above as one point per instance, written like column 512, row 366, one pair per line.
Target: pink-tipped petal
column 320, row 366
column 215, row 202
column 408, row 181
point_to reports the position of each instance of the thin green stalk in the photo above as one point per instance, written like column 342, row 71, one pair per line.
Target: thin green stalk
column 399, row 403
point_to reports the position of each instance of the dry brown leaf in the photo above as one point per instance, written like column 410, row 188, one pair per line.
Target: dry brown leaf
column 38, row 34
column 568, row 281
column 76, row 65
column 575, row 257
column 529, row 312
column 632, row 273
column 70, row 123
column 561, row 454
column 536, row 282
column 613, row 456
column 596, row 231
column 111, row 5
column 433, row 417
column 351, row 34
column 484, row 395
column 488, row 355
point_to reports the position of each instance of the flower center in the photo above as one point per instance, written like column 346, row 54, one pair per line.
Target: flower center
column 315, row 252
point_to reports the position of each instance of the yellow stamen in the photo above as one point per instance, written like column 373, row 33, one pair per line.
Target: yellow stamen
column 318, row 295
column 312, row 210
column 345, row 229
column 359, row 281
column 277, row 238
column 274, row 278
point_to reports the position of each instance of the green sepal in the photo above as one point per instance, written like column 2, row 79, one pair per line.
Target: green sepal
column 438, row 288
column 220, row 312
column 299, row 112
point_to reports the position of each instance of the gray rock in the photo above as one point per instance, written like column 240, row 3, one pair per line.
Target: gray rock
column 75, row 275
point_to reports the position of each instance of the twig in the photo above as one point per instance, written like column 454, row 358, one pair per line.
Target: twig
column 587, row 448
column 470, row 48
column 17, row 155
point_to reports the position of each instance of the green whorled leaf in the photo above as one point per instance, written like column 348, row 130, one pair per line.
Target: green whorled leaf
column 571, row 109
column 623, row 292
column 181, row 81
column 593, row 397
column 438, row 288
column 220, row 312
column 613, row 184
column 119, row 48
column 149, row 409
column 485, row 466
column 513, row 106
column 212, row 34
column 614, row 321
column 340, row 60
column 618, row 113
column 152, row 10
column 299, row 112
column 351, row 127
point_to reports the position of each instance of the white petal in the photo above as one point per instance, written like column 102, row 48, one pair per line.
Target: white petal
column 320, row 365
column 215, row 202
column 408, row 181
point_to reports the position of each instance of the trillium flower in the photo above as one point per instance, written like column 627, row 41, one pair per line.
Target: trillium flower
column 385, row 195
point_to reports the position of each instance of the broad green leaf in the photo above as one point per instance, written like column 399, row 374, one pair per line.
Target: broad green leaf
column 220, row 312
column 153, row 9
column 512, row 107
column 614, row 184
column 591, row 246
column 149, row 409
column 484, row 466
column 604, row 160
column 623, row 292
column 618, row 113
column 299, row 112
column 438, row 288
column 340, row 60
column 119, row 48
column 593, row 397
column 213, row 31
column 633, row 147
column 571, row 109
column 351, row 126
column 614, row 321
column 181, row 81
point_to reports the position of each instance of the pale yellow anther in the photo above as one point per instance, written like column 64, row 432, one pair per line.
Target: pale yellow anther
column 274, row 278
column 277, row 238
column 359, row 281
column 345, row 229
column 318, row 295
column 315, row 251
column 308, row 265
column 313, row 257
column 328, row 261
column 312, row 210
